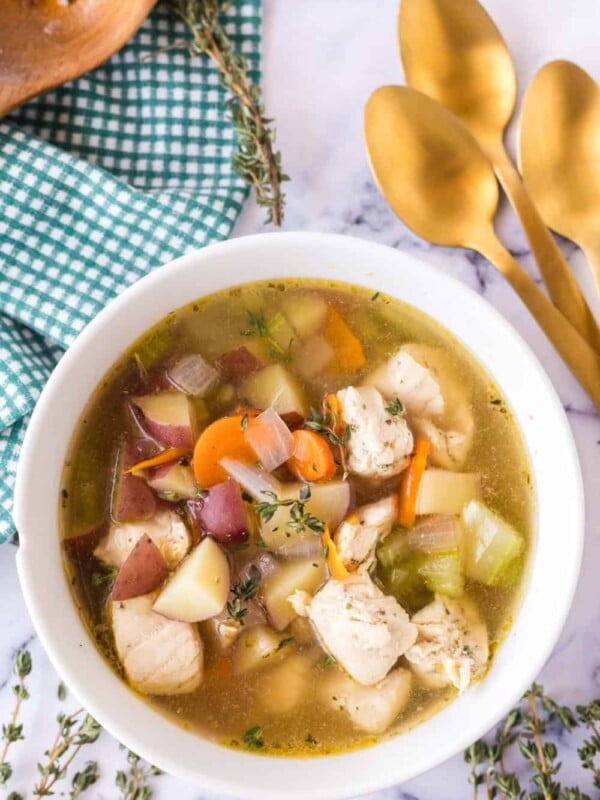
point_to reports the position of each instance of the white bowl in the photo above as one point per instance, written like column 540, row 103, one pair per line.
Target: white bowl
column 554, row 564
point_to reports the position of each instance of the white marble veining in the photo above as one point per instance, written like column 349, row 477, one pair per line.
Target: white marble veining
column 322, row 59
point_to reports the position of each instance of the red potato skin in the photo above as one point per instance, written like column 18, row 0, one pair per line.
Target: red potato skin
column 221, row 514
column 169, row 435
column 237, row 364
column 293, row 420
column 132, row 497
column 144, row 570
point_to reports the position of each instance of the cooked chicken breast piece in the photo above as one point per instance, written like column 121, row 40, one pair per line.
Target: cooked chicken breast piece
column 365, row 630
column 449, row 448
column 416, row 386
column 371, row 708
column 357, row 536
column 379, row 443
column 159, row 655
column 452, row 645
column 166, row 529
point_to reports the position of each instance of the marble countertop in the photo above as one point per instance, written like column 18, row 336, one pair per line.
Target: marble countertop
column 322, row 59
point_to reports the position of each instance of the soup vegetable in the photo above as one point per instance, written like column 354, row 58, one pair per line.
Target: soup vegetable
column 296, row 517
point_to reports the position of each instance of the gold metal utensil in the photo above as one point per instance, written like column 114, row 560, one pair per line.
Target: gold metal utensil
column 438, row 181
column 559, row 153
column 452, row 51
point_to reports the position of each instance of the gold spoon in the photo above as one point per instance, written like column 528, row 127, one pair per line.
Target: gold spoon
column 48, row 42
column 559, row 144
column 452, row 51
column 437, row 180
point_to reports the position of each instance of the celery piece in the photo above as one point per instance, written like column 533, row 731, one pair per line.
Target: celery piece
column 199, row 415
column 404, row 582
column 280, row 331
column 443, row 573
column 491, row 546
column 393, row 549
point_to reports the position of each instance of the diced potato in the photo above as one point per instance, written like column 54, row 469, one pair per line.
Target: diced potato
column 281, row 331
column 443, row 492
column 199, row 588
column 491, row 546
column 174, row 479
column 286, row 684
column 255, row 648
column 167, row 417
column 329, row 502
column 305, row 312
column 273, row 386
column 313, row 356
column 306, row 575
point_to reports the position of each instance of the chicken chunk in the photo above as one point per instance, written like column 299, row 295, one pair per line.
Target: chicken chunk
column 371, row 708
column 365, row 630
column 379, row 443
column 159, row 655
column 357, row 536
column 452, row 645
column 166, row 529
column 416, row 386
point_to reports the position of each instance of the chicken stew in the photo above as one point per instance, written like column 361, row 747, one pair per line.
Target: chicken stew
column 296, row 517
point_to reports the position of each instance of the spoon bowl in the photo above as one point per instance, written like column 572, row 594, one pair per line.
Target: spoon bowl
column 49, row 42
column 409, row 149
column 559, row 153
column 438, row 181
column 452, row 51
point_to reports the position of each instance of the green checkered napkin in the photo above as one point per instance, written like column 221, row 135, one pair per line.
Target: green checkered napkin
column 101, row 181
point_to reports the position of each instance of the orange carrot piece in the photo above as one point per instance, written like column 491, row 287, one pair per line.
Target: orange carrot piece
column 349, row 353
column 334, row 562
column 333, row 406
column 410, row 483
column 165, row 457
column 223, row 438
column 312, row 459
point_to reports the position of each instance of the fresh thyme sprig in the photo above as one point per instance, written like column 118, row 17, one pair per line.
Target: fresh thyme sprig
column 300, row 519
column 105, row 573
column 69, row 740
column 11, row 731
column 332, row 428
column 253, row 738
column 395, row 407
column 257, row 325
column 527, row 726
column 84, row 779
column 134, row 784
column 256, row 159
column 243, row 591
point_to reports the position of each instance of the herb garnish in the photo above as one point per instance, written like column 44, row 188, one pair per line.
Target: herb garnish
column 244, row 422
column 284, row 642
column 258, row 326
column 395, row 407
column 332, row 428
column 375, row 296
column 300, row 519
column 70, row 738
column 106, row 574
column 134, row 784
column 253, row 738
column 11, row 731
column 243, row 591
column 256, row 159
column 328, row 660
column 526, row 726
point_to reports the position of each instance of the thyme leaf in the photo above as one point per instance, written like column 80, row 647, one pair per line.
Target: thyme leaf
column 253, row 738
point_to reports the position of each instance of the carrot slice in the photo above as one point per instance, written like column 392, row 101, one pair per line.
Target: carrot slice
column 333, row 407
column 334, row 562
column 349, row 353
column 223, row 438
column 166, row 456
column 410, row 483
column 312, row 459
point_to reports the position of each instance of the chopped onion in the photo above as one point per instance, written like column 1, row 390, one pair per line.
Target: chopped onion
column 193, row 375
column 307, row 547
column 251, row 478
column 440, row 534
column 270, row 438
column 265, row 563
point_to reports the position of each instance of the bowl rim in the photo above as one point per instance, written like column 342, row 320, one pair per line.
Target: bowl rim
column 53, row 636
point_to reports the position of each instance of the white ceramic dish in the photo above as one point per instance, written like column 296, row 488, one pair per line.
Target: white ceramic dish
column 554, row 563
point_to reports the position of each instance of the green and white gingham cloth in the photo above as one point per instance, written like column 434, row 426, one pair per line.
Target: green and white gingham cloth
column 101, row 181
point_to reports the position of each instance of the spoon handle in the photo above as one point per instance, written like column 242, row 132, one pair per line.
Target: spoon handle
column 592, row 253
column 582, row 360
column 560, row 281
